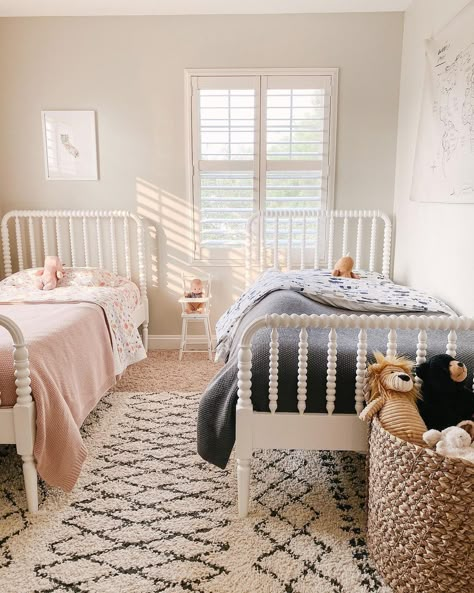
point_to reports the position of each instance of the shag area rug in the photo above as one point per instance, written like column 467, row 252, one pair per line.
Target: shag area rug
column 148, row 515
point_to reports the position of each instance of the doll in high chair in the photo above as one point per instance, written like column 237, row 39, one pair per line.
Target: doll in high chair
column 196, row 292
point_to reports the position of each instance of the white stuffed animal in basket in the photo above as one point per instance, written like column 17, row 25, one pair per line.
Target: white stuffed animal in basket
column 454, row 441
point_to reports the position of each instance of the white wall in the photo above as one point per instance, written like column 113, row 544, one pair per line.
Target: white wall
column 131, row 71
column 434, row 242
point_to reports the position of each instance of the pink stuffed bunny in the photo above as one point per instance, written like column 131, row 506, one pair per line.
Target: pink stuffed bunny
column 50, row 274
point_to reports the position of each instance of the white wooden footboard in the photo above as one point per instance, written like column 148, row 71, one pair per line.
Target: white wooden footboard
column 273, row 430
column 17, row 424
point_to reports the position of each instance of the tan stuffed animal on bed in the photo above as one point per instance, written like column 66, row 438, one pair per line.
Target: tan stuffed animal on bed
column 393, row 395
column 343, row 268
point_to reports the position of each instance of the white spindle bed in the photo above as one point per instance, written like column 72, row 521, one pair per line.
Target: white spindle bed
column 308, row 239
column 104, row 239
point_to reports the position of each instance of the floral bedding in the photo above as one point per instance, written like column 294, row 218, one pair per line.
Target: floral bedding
column 117, row 296
column 371, row 293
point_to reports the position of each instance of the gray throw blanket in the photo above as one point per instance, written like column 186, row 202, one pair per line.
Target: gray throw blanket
column 216, row 418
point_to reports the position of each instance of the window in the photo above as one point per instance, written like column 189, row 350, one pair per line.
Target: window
column 258, row 141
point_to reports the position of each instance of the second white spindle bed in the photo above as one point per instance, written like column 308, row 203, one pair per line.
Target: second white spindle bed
column 288, row 240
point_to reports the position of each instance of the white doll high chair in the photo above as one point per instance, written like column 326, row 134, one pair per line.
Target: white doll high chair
column 195, row 309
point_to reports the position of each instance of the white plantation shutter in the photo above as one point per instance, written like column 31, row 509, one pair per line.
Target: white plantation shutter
column 258, row 142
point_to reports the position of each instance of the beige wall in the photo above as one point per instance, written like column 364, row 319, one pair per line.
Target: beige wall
column 434, row 242
column 130, row 70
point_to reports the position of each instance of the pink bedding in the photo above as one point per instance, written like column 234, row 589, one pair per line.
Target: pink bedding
column 72, row 366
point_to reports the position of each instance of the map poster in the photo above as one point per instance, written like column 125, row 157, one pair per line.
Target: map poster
column 444, row 158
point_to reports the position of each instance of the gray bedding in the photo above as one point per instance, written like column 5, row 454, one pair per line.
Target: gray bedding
column 216, row 417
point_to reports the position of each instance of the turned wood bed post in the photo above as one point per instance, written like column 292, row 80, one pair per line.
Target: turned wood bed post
column 24, row 413
column 244, row 414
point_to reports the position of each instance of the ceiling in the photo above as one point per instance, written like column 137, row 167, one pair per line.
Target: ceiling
column 10, row 8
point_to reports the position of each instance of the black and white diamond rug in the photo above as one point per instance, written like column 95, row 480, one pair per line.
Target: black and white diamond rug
column 149, row 516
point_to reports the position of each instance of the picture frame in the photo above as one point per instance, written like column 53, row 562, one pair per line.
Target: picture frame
column 70, row 145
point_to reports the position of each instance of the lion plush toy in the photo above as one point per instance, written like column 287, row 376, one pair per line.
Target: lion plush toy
column 392, row 393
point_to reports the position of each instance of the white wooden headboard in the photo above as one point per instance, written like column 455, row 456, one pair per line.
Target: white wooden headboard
column 297, row 239
column 110, row 239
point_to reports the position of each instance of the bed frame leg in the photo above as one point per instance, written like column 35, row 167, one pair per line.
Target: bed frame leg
column 243, row 486
column 24, row 422
column 31, row 482
column 145, row 335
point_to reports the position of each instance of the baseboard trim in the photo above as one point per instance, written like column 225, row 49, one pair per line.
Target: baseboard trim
column 172, row 342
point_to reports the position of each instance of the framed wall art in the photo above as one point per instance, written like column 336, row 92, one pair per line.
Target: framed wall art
column 444, row 160
column 70, row 146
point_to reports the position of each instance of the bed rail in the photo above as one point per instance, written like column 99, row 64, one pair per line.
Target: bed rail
column 301, row 238
column 302, row 430
column 392, row 323
column 100, row 238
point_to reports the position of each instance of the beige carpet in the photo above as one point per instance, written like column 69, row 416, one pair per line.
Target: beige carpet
column 162, row 371
column 148, row 515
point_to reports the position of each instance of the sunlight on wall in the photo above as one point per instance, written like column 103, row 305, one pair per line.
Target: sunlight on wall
column 170, row 253
column 171, row 217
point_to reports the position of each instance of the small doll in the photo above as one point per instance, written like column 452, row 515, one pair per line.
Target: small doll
column 197, row 292
column 50, row 274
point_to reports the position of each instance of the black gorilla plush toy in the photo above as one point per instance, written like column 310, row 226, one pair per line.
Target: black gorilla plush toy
column 445, row 399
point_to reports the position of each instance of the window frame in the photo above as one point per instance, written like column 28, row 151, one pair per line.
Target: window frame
column 190, row 135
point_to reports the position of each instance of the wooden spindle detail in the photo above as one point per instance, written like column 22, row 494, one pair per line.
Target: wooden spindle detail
column 99, row 243
column 262, row 242
column 421, row 350
column 276, row 261
column 72, row 243
column 59, row 240
column 273, row 382
column 31, row 232
column 248, row 252
column 361, row 369
column 303, row 243
column 392, row 343
column 126, row 241
column 44, row 229
column 331, row 371
column 451, row 346
column 316, row 244
column 330, row 261
column 290, row 244
column 113, row 245
column 344, row 235
column 387, row 246
column 19, row 243
column 360, row 231
column 302, row 369
column 85, row 238
column 7, row 256
column 373, row 243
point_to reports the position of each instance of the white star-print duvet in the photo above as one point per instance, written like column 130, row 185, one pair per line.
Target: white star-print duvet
column 372, row 293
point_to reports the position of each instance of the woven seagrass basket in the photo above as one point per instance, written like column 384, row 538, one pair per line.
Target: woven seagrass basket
column 420, row 529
